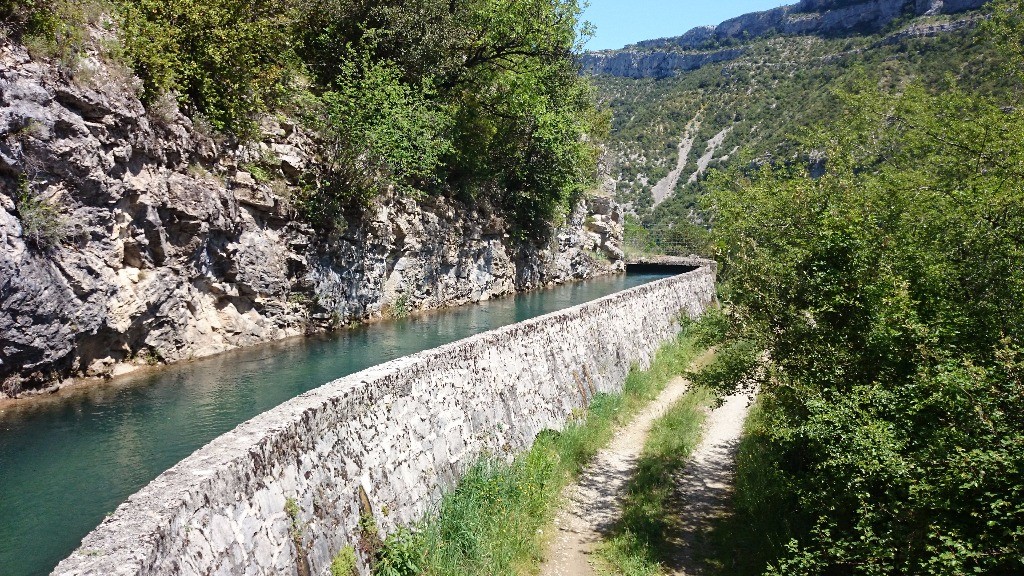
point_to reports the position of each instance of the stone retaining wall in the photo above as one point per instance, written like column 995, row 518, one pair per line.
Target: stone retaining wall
column 388, row 440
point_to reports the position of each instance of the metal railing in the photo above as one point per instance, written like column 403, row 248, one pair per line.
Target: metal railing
column 648, row 242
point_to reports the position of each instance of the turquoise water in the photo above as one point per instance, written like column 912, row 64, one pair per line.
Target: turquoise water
column 67, row 461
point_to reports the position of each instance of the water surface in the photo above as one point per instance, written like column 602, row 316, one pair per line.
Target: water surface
column 66, row 462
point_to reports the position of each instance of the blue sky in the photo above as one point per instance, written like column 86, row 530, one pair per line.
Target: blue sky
column 621, row 22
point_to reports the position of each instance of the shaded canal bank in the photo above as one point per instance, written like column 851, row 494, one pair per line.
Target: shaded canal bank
column 65, row 464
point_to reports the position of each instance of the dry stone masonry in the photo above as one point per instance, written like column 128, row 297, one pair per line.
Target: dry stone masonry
column 387, row 441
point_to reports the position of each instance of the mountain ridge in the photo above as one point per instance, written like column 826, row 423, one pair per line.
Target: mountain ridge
column 703, row 45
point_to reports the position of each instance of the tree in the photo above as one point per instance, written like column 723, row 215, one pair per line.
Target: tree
column 887, row 294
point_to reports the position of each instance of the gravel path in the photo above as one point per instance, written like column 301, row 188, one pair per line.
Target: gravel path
column 592, row 505
column 704, row 486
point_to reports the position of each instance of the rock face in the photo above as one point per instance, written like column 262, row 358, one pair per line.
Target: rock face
column 698, row 47
column 380, row 445
column 653, row 64
column 160, row 242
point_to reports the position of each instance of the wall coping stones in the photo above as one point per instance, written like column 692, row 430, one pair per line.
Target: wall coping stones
column 392, row 437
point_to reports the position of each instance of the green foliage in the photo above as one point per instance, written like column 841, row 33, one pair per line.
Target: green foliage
column 259, row 173
column 376, row 131
column 400, row 555
column 52, row 29
column 467, row 98
column 491, row 522
column 887, row 295
column 776, row 90
column 228, row 59
column 680, row 237
column 291, row 508
column 400, row 308
column 733, row 367
column 344, row 562
column 626, row 554
column 1002, row 27
column 472, row 98
column 43, row 222
column 294, row 512
column 711, row 329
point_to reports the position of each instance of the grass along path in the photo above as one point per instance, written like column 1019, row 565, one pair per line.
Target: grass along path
column 493, row 522
column 593, row 504
column 642, row 538
column 675, row 497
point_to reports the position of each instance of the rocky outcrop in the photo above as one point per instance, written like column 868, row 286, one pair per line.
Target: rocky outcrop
column 698, row 47
column 133, row 237
column 924, row 30
column 655, row 64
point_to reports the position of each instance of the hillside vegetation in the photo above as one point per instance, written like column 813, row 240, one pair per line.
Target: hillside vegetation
column 466, row 98
column 881, row 296
column 761, row 104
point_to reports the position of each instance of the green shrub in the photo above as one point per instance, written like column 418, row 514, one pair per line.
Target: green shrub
column 344, row 562
column 375, row 132
column 887, row 293
column 480, row 99
column 43, row 221
column 400, row 555
column 733, row 366
column 474, row 99
column 52, row 29
column 229, row 60
column 711, row 329
column 260, row 174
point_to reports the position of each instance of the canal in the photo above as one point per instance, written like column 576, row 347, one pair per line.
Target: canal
column 68, row 460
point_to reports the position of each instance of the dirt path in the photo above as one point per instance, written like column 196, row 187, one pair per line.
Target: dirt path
column 704, row 486
column 592, row 505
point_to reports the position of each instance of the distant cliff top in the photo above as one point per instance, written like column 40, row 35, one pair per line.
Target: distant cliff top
column 808, row 17
column 663, row 57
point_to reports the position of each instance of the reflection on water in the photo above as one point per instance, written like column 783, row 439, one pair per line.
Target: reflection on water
column 67, row 461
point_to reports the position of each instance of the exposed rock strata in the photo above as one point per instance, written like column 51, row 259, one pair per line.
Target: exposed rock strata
column 177, row 247
column 701, row 46
column 653, row 64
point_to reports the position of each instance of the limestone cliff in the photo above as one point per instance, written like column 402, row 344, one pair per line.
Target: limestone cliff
column 165, row 243
column 698, row 47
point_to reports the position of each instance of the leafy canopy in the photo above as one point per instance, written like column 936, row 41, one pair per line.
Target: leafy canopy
column 468, row 98
column 887, row 295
